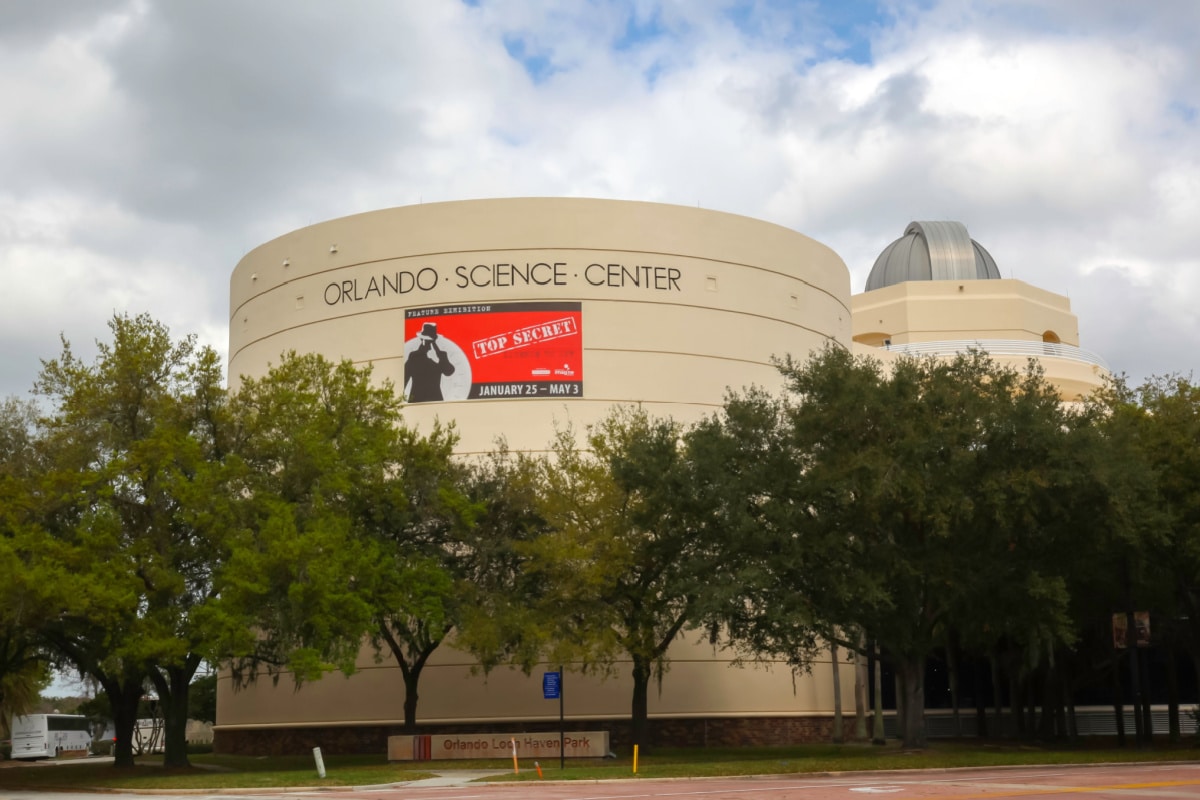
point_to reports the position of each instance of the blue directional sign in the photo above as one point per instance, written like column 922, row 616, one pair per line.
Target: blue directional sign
column 551, row 685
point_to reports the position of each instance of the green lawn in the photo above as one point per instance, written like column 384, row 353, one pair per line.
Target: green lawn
column 215, row 772
column 227, row 772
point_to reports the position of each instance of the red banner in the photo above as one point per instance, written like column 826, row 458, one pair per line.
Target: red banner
column 493, row 350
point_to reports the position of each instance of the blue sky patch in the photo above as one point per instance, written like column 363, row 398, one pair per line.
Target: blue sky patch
column 1183, row 111
column 830, row 28
column 537, row 64
column 639, row 31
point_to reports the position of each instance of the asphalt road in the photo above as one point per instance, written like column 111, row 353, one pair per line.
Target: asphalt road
column 1123, row 781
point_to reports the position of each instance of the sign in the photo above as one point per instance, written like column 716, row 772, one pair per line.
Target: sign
column 576, row 744
column 487, row 350
column 1120, row 624
column 551, row 685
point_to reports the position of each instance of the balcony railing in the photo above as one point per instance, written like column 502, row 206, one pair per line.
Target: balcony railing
column 1002, row 347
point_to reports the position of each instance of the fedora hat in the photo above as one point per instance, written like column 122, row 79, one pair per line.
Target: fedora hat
column 429, row 329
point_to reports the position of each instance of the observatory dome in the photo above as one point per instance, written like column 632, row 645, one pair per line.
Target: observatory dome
column 932, row 251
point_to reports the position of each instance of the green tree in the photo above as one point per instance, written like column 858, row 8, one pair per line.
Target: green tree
column 871, row 494
column 27, row 591
column 423, row 524
column 626, row 565
column 317, row 439
column 137, row 496
column 362, row 528
column 1146, row 513
column 1170, row 428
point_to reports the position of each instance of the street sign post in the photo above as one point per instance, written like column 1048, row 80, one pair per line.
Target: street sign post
column 552, row 689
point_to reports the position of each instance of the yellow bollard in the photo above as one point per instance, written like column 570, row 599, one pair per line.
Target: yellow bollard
column 516, row 771
column 635, row 747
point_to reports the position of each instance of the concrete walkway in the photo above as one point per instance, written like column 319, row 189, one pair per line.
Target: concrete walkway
column 458, row 777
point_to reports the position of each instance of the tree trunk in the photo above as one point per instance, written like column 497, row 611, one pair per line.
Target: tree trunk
column 878, row 736
column 1118, row 702
column 1147, row 711
column 1060, row 704
column 411, row 660
column 124, row 694
column 1015, row 706
column 412, row 679
column 981, row 720
column 997, row 696
column 838, row 735
column 1135, row 681
column 1049, row 704
column 1072, row 721
column 860, row 696
column 1172, row 695
column 912, row 673
column 1031, row 710
column 173, row 696
column 639, row 722
column 952, row 668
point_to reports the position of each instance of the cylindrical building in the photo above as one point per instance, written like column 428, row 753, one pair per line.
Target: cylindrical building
column 661, row 305
column 517, row 315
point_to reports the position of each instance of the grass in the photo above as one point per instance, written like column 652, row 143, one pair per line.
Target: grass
column 215, row 772
column 716, row 762
column 211, row 771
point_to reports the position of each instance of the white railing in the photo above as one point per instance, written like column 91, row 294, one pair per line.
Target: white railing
column 1002, row 347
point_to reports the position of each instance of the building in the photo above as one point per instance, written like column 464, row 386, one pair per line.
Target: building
column 935, row 291
column 518, row 315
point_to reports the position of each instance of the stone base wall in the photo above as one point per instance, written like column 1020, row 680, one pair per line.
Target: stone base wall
column 749, row 732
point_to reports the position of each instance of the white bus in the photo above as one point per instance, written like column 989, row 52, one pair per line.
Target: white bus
column 50, row 735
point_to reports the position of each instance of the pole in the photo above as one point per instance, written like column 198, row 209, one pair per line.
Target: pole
column 562, row 733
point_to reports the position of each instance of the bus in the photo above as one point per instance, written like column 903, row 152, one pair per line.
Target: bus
column 50, row 735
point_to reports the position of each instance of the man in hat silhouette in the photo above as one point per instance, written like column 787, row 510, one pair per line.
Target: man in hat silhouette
column 425, row 367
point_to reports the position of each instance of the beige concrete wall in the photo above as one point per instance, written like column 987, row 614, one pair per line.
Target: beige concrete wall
column 745, row 290
column 731, row 293
column 918, row 312
column 923, row 311
column 700, row 682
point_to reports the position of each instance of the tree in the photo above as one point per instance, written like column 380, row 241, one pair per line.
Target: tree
column 317, row 440
column 138, row 497
column 422, row 524
column 27, row 591
column 1151, row 524
column 626, row 563
column 875, row 496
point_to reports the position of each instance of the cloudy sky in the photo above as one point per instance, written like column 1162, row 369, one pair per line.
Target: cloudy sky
column 145, row 146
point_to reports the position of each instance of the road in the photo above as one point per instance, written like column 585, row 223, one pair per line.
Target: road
column 1123, row 781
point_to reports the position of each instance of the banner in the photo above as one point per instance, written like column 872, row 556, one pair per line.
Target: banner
column 1120, row 626
column 468, row 352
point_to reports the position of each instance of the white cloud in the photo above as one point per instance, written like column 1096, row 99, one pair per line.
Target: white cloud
column 145, row 147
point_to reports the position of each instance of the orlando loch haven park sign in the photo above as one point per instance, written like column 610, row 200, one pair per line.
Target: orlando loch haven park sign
column 434, row 747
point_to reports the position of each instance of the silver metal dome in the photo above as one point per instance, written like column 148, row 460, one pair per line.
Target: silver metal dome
column 932, row 251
